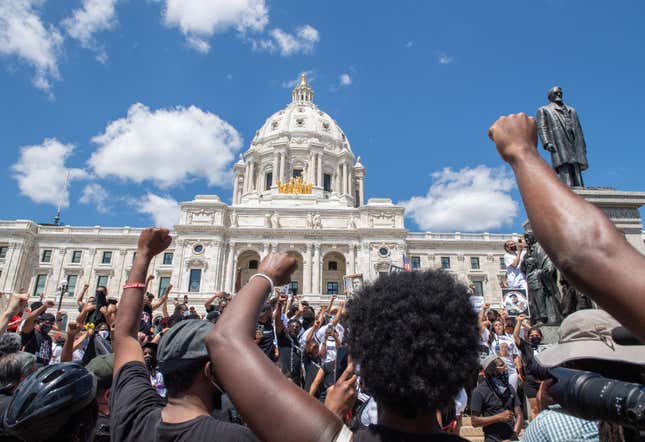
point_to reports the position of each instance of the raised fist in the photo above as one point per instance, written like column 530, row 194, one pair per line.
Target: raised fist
column 514, row 135
column 17, row 303
column 153, row 241
column 278, row 267
column 151, row 277
column 49, row 303
column 72, row 330
column 86, row 286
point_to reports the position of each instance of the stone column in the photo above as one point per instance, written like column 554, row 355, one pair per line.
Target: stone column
column 217, row 254
column 345, row 178
column 252, row 177
column 283, row 175
column 351, row 266
column 306, row 270
column 276, row 173
column 227, row 283
column 361, row 191
column 316, row 270
column 319, row 175
column 235, row 188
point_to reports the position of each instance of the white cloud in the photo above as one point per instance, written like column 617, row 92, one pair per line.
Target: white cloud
column 199, row 20
column 445, row 59
column 345, row 80
column 164, row 211
column 302, row 41
column 95, row 194
column 41, row 172
column 94, row 16
column 471, row 199
column 23, row 35
column 166, row 146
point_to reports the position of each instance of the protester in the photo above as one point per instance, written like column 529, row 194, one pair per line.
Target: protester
column 513, row 257
column 35, row 332
column 412, row 367
column 494, row 404
column 56, row 403
column 529, row 347
column 579, row 238
column 502, row 344
column 137, row 412
column 102, row 367
column 17, row 303
column 14, row 368
column 586, row 343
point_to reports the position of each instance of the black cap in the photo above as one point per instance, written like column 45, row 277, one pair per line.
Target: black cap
column 183, row 343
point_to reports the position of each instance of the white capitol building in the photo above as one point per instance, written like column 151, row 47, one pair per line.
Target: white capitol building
column 299, row 189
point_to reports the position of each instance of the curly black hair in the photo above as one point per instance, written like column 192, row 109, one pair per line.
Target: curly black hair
column 416, row 338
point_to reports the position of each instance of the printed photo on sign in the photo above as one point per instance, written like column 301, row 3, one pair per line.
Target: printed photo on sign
column 353, row 283
column 516, row 302
column 283, row 289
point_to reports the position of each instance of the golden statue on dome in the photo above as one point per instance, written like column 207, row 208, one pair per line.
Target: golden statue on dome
column 295, row 186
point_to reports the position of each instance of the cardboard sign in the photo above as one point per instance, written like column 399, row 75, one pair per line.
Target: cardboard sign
column 353, row 283
column 516, row 302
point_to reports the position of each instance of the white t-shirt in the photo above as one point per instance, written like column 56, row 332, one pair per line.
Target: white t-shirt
column 331, row 350
column 512, row 350
column 484, row 336
column 514, row 276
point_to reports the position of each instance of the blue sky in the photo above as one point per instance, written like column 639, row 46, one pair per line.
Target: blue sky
column 414, row 85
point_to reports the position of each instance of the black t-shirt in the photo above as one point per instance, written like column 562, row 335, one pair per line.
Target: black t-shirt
column 266, row 341
column 135, row 409
column 39, row 345
column 488, row 403
column 379, row 433
column 290, row 355
column 146, row 319
column 102, row 433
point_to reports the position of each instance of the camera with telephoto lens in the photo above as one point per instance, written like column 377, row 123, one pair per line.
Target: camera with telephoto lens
column 591, row 396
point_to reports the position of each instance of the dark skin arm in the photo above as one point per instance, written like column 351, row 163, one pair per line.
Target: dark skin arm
column 519, row 420
column 484, row 421
column 580, row 239
column 67, row 352
column 17, row 304
column 30, row 320
column 126, row 347
column 248, row 375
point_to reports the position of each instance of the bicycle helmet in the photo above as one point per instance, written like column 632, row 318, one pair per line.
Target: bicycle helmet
column 45, row 401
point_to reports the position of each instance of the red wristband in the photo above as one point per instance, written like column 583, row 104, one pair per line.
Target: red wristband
column 134, row 285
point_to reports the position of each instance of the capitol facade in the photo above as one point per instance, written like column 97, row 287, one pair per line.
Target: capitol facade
column 298, row 188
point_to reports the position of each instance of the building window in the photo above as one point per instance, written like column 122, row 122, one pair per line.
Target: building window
column 39, row 287
column 332, row 288
column 479, row 288
column 293, row 287
column 195, row 280
column 253, row 264
column 327, row 182
column 167, row 258
column 297, row 173
column 415, row 262
column 268, row 181
column 383, row 252
column 47, row 256
column 332, row 265
column 71, row 284
column 198, row 248
column 445, row 262
column 164, row 282
column 474, row 263
column 106, row 258
column 502, row 264
column 76, row 256
column 3, row 252
column 102, row 281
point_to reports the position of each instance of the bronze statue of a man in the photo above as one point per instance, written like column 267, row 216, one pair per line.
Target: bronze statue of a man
column 561, row 134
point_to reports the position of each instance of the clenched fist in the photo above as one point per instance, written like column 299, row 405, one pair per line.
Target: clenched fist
column 514, row 135
column 17, row 303
column 278, row 267
column 153, row 241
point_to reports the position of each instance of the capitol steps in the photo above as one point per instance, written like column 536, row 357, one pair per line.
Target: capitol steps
column 467, row 431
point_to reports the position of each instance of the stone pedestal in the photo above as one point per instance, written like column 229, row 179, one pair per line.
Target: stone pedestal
column 622, row 208
column 550, row 334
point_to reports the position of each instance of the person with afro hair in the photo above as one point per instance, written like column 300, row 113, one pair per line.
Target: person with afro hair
column 414, row 335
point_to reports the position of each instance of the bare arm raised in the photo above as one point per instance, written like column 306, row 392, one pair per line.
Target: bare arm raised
column 579, row 238
column 248, row 375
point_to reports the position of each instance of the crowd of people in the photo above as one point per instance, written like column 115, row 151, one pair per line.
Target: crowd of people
column 404, row 359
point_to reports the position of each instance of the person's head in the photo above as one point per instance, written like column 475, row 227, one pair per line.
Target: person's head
column 10, row 343
column 408, row 381
column 14, row 368
column 148, row 298
column 308, row 318
column 102, row 290
column 510, row 246
column 492, row 315
column 513, row 298
column 183, row 361
column 495, row 368
column 102, row 368
column 293, row 327
column 221, row 306
column 150, row 355
column 103, row 330
column 45, row 322
column 34, row 305
column 535, row 336
column 509, row 325
column 498, row 327
column 555, row 94
column 56, row 403
column 213, row 316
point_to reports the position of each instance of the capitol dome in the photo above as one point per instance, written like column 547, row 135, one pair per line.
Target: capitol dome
column 302, row 118
column 300, row 156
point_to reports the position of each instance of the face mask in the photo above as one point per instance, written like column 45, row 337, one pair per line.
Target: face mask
column 502, row 377
column 535, row 340
column 45, row 328
column 149, row 361
column 104, row 333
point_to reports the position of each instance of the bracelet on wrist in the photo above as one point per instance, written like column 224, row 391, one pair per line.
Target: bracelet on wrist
column 262, row 275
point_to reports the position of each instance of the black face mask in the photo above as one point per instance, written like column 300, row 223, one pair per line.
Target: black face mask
column 150, row 362
column 45, row 328
column 535, row 340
